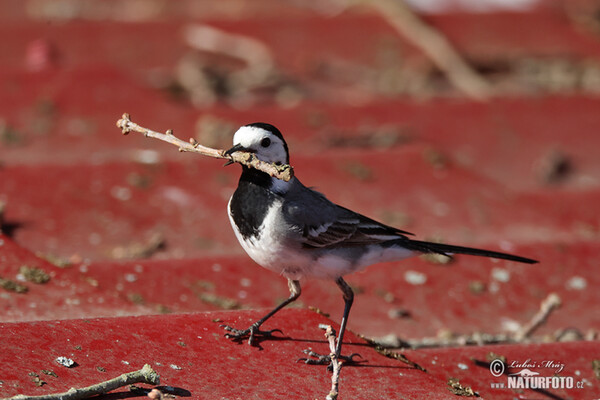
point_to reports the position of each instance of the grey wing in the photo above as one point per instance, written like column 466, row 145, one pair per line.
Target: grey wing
column 322, row 223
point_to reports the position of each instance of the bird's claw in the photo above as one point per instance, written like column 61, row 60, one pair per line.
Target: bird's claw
column 252, row 332
column 325, row 359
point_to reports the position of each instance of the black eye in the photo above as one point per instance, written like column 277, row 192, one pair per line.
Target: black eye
column 266, row 142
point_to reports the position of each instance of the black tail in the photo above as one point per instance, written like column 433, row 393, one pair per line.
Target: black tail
column 440, row 248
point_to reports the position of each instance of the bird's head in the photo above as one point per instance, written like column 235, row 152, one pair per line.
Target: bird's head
column 264, row 140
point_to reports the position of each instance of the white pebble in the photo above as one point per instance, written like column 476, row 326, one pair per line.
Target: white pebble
column 415, row 278
column 576, row 283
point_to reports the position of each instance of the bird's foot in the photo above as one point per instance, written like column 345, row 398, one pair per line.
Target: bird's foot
column 251, row 333
column 325, row 359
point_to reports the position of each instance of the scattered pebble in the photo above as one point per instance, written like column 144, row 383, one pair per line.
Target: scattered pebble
column 146, row 156
column 415, row 278
column 510, row 325
column 476, row 287
column 49, row 372
column 175, row 367
column 33, row 274
column 245, row 282
column 396, row 313
column 576, row 283
column 13, row 286
column 494, row 287
column 121, row 193
column 463, row 366
column 65, row 362
column 501, row 275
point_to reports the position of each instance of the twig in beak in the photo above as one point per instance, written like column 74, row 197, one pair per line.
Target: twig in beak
column 283, row 172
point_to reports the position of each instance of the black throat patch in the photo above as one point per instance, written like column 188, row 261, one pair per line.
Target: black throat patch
column 251, row 201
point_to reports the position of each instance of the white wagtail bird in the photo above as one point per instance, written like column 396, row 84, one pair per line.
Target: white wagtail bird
column 295, row 231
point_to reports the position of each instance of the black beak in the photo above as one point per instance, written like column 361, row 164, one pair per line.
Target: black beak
column 237, row 147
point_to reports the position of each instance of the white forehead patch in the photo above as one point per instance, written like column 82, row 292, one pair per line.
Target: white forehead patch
column 248, row 136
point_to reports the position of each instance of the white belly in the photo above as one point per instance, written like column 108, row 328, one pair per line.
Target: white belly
column 269, row 249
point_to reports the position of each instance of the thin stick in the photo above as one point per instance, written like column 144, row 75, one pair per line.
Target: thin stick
column 283, row 172
column 144, row 375
column 337, row 364
column 435, row 46
column 548, row 305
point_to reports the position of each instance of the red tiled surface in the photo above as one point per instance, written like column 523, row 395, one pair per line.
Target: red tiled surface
column 438, row 165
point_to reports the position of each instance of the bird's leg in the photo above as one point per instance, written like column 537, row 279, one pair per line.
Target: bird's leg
column 253, row 330
column 326, row 359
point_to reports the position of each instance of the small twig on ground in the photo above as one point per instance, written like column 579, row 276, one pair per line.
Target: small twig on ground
column 435, row 46
column 283, row 172
column 257, row 57
column 336, row 364
column 548, row 305
column 392, row 354
column 145, row 375
column 155, row 243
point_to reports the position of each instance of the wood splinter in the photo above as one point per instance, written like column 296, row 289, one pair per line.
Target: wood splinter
column 145, row 375
column 336, row 363
column 283, row 172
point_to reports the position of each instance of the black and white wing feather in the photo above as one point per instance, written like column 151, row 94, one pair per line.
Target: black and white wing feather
column 322, row 223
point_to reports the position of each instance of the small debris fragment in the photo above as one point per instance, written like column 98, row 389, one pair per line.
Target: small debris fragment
column 65, row 362
column 35, row 378
column 162, row 309
column 101, row 369
column 13, row 286
column 456, row 388
column 175, row 367
column 34, row 274
column 154, row 244
column 318, row 311
column 224, row 303
column 49, row 372
column 56, row 260
column 155, row 394
column 398, row 313
column 435, row 158
column 596, row 368
column 463, row 366
column 389, row 341
column 476, row 287
column 436, row 258
column 136, row 298
column 398, row 356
